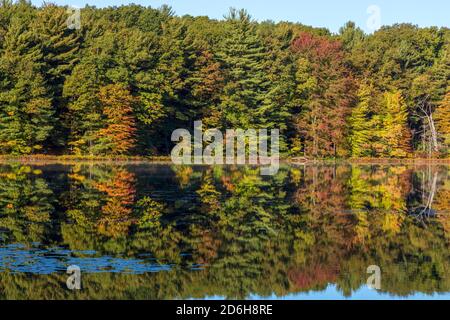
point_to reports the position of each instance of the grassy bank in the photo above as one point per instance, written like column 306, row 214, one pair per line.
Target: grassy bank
column 372, row 161
column 68, row 159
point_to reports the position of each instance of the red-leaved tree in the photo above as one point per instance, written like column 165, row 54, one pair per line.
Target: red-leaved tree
column 325, row 93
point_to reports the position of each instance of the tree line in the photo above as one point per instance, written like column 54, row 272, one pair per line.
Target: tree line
column 130, row 75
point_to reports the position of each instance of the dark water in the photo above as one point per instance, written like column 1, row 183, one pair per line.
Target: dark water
column 171, row 232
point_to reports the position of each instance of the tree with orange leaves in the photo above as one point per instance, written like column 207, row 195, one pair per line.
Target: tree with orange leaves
column 118, row 137
column 326, row 93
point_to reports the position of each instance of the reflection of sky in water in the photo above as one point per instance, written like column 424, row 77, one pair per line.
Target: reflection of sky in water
column 333, row 293
column 17, row 258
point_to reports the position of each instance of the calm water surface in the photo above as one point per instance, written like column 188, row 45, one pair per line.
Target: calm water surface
column 174, row 232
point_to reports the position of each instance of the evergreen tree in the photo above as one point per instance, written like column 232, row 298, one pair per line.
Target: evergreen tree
column 279, row 102
column 161, row 87
column 246, row 84
column 83, row 117
column 351, row 36
column 59, row 46
column 26, row 113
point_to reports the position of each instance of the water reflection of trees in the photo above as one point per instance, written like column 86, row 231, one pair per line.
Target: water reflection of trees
column 243, row 233
column 26, row 205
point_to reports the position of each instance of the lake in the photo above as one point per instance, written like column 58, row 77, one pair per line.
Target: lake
column 159, row 231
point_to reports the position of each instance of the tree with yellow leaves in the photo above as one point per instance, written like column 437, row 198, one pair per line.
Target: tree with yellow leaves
column 442, row 117
column 396, row 134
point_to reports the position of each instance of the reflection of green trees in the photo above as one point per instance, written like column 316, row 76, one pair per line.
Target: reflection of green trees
column 26, row 204
column 300, row 230
column 413, row 260
column 250, row 223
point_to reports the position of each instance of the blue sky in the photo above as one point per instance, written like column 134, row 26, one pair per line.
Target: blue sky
column 319, row 13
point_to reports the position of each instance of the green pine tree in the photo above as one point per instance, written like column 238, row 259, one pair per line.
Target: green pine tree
column 26, row 113
column 276, row 109
column 59, row 48
column 246, row 84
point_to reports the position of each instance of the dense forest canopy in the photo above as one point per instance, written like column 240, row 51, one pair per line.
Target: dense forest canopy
column 130, row 75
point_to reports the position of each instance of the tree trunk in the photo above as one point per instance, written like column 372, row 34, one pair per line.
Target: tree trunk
column 434, row 141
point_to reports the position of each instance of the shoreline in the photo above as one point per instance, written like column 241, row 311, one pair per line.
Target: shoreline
column 69, row 159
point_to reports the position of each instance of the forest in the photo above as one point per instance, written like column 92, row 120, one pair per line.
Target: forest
column 130, row 75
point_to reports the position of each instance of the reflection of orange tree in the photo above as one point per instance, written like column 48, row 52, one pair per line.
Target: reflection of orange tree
column 228, row 180
column 328, row 230
column 322, row 194
column 116, row 213
column 103, row 208
column 314, row 276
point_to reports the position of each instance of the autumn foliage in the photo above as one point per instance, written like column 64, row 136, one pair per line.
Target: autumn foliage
column 329, row 87
column 122, row 85
column 120, row 129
